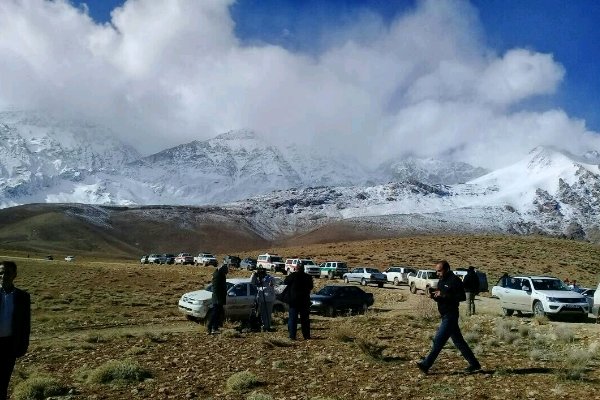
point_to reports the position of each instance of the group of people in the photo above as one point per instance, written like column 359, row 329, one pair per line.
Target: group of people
column 298, row 284
column 15, row 312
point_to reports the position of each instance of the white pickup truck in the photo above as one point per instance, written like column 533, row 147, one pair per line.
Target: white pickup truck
column 423, row 280
column 205, row 259
column 398, row 275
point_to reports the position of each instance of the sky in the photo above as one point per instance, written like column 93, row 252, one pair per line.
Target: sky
column 480, row 81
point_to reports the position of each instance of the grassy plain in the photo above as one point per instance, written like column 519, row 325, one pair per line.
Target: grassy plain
column 111, row 330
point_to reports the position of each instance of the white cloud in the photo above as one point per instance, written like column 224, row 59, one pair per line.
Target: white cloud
column 170, row 71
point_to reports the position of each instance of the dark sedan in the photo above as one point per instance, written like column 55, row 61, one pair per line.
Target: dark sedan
column 333, row 299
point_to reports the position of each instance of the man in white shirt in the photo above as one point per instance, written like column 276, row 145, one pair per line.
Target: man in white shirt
column 15, row 323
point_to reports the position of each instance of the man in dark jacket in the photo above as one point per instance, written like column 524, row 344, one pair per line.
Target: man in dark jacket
column 471, row 284
column 15, row 322
column 448, row 295
column 219, row 298
column 300, row 285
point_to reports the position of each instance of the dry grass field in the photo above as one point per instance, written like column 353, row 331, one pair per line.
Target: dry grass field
column 111, row 330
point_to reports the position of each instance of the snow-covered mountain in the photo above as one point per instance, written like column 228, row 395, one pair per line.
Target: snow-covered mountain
column 291, row 189
column 547, row 192
column 43, row 159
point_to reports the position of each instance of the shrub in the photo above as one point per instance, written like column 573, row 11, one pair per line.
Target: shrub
column 575, row 363
column 426, row 309
column 504, row 331
column 241, row 381
column 117, row 371
column 471, row 337
column 343, row 334
column 39, row 387
column 564, row 334
column 372, row 348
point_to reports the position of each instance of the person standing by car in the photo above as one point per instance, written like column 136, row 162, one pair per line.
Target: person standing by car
column 449, row 293
column 265, row 297
column 15, row 323
column 219, row 298
column 471, row 284
column 300, row 285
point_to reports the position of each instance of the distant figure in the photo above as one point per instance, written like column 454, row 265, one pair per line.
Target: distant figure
column 15, row 323
column 265, row 297
column 301, row 284
column 504, row 279
column 448, row 295
column 471, row 284
column 219, row 299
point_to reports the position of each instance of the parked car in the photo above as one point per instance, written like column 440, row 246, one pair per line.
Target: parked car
column 398, row 275
column 333, row 299
column 588, row 293
column 365, row 275
column 154, row 258
column 271, row 262
column 241, row 295
column 144, row 259
column 310, row 267
column 167, row 259
column 205, row 259
column 49, row 258
column 184, row 259
column 541, row 295
column 423, row 280
column 70, row 258
column 232, row 261
column 248, row 263
column 482, row 276
column 333, row 269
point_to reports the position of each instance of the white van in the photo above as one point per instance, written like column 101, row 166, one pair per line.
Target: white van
column 270, row 262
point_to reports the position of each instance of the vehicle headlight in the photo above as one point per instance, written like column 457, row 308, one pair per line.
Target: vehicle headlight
column 553, row 300
column 317, row 302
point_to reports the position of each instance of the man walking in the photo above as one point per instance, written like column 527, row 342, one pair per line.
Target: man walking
column 471, row 284
column 15, row 322
column 219, row 298
column 300, row 284
column 448, row 295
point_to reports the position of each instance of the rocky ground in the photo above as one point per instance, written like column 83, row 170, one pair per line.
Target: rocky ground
column 112, row 331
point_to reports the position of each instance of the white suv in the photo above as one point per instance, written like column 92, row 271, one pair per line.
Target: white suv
column 309, row 266
column 542, row 295
column 270, row 262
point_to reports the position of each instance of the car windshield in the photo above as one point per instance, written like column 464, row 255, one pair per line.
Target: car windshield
column 276, row 259
column 431, row 275
column 372, row 270
column 549, row 284
column 327, row 291
column 209, row 287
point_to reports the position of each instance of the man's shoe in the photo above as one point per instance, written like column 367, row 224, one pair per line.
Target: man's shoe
column 214, row 332
column 471, row 369
column 424, row 368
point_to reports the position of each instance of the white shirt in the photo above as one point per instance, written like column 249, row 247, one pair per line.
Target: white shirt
column 7, row 308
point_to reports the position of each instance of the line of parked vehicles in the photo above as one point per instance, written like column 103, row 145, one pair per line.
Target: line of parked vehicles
column 204, row 259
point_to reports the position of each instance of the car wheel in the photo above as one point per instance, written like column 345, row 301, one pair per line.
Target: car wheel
column 396, row 282
column 538, row 309
column 363, row 282
column 329, row 311
column 413, row 288
column 191, row 318
column 380, row 285
column 506, row 312
column 346, row 280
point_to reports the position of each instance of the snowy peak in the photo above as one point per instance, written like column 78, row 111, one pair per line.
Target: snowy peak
column 431, row 171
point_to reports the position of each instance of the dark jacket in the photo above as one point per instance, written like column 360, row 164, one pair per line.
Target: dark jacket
column 471, row 282
column 219, row 286
column 300, row 284
column 21, row 322
column 452, row 293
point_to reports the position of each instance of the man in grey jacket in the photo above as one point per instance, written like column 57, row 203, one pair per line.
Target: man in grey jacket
column 15, row 323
